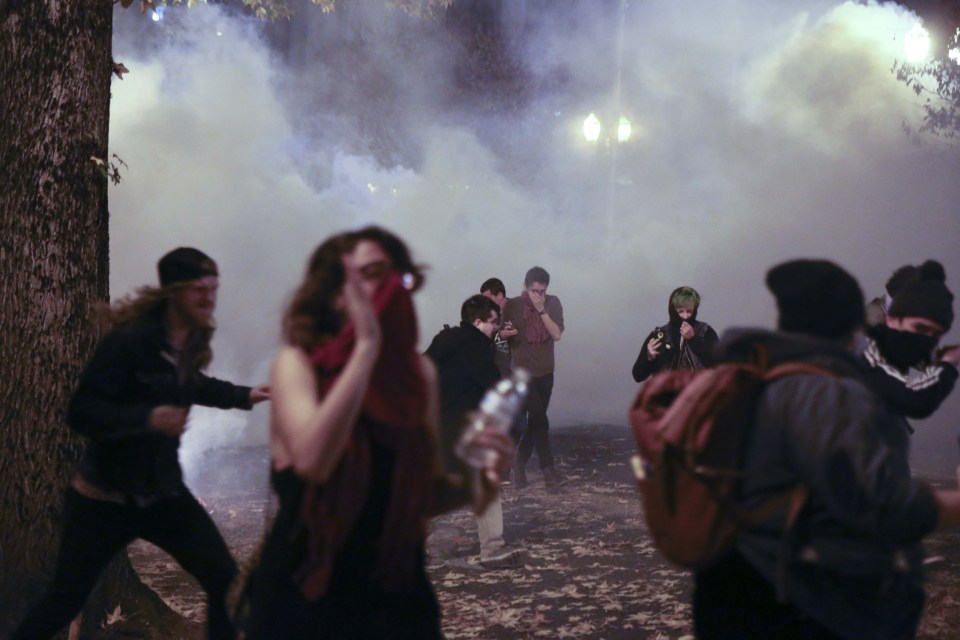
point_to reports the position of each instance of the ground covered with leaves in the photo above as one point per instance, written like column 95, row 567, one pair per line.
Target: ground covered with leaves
column 588, row 569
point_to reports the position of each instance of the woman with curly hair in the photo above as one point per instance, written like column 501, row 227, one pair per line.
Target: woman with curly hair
column 354, row 454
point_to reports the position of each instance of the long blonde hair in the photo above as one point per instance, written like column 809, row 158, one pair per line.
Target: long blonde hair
column 152, row 301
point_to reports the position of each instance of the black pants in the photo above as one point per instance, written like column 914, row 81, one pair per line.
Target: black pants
column 95, row 530
column 732, row 601
column 536, row 436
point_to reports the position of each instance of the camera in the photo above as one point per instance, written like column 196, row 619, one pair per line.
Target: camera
column 660, row 335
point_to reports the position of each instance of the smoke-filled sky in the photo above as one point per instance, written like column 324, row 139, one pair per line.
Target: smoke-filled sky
column 761, row 132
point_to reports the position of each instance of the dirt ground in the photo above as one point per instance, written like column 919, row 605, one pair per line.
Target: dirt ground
column 588, row 571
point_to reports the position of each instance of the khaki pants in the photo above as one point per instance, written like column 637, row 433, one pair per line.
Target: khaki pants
column 490, row 528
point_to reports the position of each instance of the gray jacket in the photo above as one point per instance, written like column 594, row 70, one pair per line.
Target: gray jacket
column 854, row 558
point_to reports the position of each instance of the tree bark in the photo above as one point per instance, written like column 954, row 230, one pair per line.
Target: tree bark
column 55, row 70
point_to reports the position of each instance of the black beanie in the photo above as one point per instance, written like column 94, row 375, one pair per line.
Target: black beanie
column 900, row 277
column 816, row 297
column 925, row 296
column 183, row 264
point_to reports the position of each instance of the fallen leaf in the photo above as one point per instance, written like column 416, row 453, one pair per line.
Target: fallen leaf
column 114, row 618
column 119, row 69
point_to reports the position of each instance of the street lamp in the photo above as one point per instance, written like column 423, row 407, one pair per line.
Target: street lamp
column 624, row 129
column 591, row 128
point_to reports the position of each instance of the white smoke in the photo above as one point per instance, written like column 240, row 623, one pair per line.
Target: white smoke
column 762, row 132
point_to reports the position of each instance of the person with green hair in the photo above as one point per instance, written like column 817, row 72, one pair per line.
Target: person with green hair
column 683, row 343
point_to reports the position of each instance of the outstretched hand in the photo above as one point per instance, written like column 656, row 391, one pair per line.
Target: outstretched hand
column 950, row 354
column 259, row 393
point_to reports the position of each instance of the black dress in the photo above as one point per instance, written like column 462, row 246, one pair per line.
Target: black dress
column 354, row 607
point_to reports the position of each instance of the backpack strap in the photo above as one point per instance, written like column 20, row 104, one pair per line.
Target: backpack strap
column 798, row 499
column 797, row 368
column 798, row 495
column 793, row 499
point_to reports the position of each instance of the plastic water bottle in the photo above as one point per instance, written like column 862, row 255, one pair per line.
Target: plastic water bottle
column 499, row 407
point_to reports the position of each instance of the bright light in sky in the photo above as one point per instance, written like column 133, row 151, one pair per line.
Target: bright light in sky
column 917, row 44
column 624, row 129
column 591, row 128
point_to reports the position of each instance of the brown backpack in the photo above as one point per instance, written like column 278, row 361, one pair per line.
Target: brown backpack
column 691, row 428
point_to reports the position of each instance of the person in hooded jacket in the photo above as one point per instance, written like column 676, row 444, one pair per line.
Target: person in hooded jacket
column 466, row 369
column 850, row 567
column 918, row 315
column 682, row 343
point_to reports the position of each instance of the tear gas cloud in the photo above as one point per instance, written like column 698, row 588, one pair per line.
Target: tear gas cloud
column 761, row 132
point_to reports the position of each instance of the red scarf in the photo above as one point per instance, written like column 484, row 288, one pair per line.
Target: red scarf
column 393, row 414
column 536, row 334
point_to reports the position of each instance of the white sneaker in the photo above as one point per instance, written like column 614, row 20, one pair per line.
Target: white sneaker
column 503, row 557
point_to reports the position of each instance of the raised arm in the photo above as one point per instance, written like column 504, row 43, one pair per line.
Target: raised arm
column 551, row 314
column 646, row 362
column 705, row 346
column 309, row 432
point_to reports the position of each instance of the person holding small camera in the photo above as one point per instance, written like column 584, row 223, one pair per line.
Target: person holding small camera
column 683, row 343
column 494, row 289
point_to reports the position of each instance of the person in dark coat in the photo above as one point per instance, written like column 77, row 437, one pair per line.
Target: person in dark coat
column 494, row 289
column 918, row 315
column 466, row 368
column 132, row 403
column 682, row 343
column 851, row 565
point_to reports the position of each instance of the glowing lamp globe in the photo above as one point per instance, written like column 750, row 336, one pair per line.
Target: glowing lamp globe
column 624, row 129
column 591, row 128
column 917, row 44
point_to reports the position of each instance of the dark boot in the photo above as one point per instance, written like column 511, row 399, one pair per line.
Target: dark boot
column 519, row 476
column 552, row 477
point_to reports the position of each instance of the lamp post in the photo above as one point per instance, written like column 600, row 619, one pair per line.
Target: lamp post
column 608, row 138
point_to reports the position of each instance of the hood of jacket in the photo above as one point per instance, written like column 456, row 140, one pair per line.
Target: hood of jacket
column 451, row 339
column 676, row 320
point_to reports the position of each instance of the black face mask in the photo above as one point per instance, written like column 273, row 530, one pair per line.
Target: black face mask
column 905, row 349
column 676, row 320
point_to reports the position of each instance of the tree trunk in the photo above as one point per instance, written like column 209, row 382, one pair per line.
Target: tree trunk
column 55, row 69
